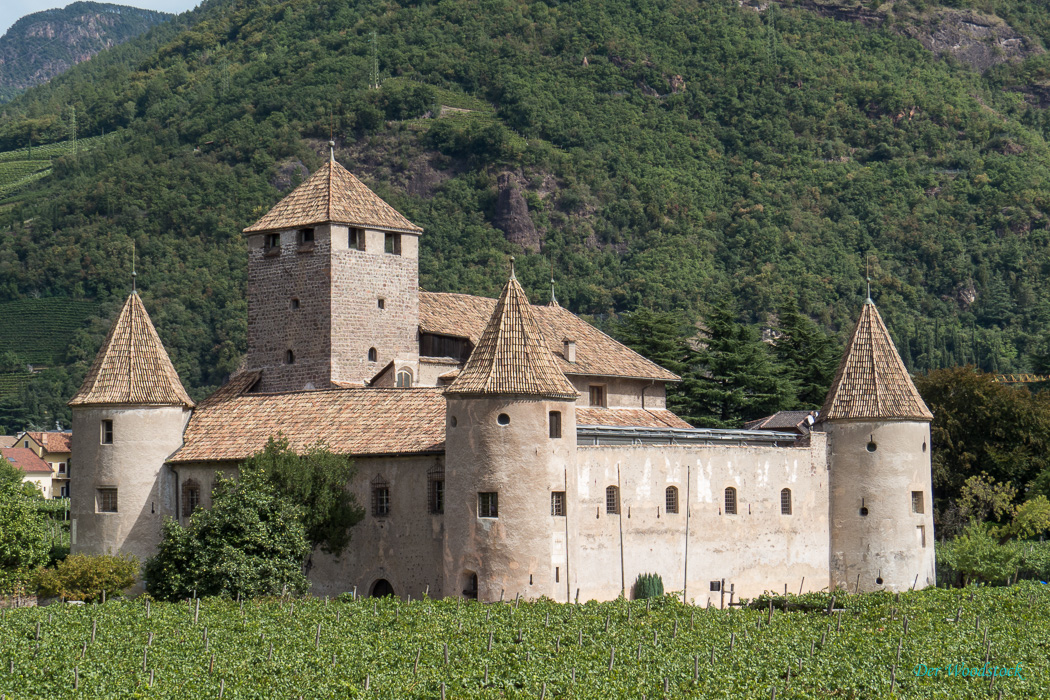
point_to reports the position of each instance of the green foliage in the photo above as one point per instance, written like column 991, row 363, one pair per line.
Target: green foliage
column 250, row 542
column 85, row 577
column 982, row 498
column 807, row 356
column 648, row 586
column 400, row 648
column 977, row 555
column 24, row 539
column 1029, row 519
column 316, row 482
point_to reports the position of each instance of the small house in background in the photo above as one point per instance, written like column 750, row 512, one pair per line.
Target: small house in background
column 7, row 440
column 798, row 422
column 55, row 448
column 35, row 470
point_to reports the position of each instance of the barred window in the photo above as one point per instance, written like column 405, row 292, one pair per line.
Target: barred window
column 488, row 504
column 671, row 499
column 380, row 497
column 917, row 504
column 730, row 501
column 107, row 500
column 612, row 500
column 785, row 502
column 191, row 497
column 436, row 490
column 555, row 424
column 558, row 503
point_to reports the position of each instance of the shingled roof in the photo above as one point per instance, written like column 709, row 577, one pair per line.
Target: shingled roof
column 333, row 194
column 231, row 426
column 511, row 356
column 465, row 316
column 132, row 366
column 629, row 417
column 871, row 381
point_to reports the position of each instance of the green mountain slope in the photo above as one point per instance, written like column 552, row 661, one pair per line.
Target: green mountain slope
column 41, row 45
column 669, row 154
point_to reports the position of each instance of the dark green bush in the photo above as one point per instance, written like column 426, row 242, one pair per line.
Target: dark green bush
column 648, row 586
column 84, row 577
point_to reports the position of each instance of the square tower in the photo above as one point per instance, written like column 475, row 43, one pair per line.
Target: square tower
column 333, row 286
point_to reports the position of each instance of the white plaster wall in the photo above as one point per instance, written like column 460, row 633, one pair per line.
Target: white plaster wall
column 887, row 542
column 143, row 438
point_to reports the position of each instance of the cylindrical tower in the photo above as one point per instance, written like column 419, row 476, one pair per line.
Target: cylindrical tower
column 128, row 418
column 510, row 442
column 880, row 482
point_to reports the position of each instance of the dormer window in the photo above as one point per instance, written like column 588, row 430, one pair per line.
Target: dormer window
column 357, row 239
column 393, row 244
column 272, row 244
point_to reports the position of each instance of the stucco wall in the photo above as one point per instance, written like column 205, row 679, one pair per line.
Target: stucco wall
column 621, row 393
column 891, row 542
column 143, row 438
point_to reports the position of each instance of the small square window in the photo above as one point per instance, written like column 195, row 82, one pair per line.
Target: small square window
column 716, row 586
column 392, row 243
column 558, row 503
column 306, row 237
column 272, row 243
column 598, row 395
column 107, row 500
column 357, row 239
column 555, row 424
column 488, row 504
column 295, row 304
column 107, row 432
column 917, row 503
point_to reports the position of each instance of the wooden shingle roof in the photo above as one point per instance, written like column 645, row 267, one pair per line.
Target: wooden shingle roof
column 333, row 194
column 511, row 356
column 232, row 426
column 132, row 366
column 871, row 381
column 465, row 316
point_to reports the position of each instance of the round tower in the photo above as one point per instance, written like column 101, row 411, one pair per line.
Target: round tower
column 128, row 418
column 510, row 440
column 880, row 483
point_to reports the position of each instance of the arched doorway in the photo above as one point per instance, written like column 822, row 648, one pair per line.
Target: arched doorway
column 382, row 588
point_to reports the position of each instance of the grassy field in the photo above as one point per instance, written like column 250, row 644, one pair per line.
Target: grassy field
column 877, row 647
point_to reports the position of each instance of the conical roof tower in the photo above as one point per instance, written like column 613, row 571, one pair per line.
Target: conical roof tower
column 872, row 381
column 511, row 357
column 132, row 367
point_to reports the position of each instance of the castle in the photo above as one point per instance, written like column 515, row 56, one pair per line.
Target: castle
column 503, row 449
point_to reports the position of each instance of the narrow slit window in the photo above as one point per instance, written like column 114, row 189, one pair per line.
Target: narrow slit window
column 558, row 503
column 436, row 490
column 488, row 504
column 612, row 500
column 918, row 504
column 107, row 432
column 373, row 355
column 555, row 424
column 730, row 501
column 671, row 499
column 289, row 357
column 380, row 497
column 785, row 502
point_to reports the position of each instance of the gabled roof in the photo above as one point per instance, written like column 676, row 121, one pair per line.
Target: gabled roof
column 232, row 426
column 871, row 381
column 333, row 194
column 25, row 459
column 132, row 366
column 465, row 316
column 784, row 420
column 511, row 356
column 8, row 440
column 53, row 441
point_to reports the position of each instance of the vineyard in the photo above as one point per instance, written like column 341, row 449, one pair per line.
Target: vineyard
column 866, row 646
column 20, row 167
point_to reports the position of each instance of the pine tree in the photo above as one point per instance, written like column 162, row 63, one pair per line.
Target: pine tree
column 807, row 356
column 663, row 338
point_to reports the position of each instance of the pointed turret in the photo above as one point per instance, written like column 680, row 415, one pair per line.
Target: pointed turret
column 132, row 367
column 871, row 381
column 511, row 357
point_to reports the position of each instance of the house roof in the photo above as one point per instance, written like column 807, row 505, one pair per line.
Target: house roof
column 629, row 418
column 53, row 441
column 465, row 316
column 132, row 366
column 871, row 381
column 25, row 459
column 511, row 356
column 8, row 440
column 782, row 420
column 232, row 426
column 333, row 194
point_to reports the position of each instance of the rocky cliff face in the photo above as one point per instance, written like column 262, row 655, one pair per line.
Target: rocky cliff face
column 44, row 44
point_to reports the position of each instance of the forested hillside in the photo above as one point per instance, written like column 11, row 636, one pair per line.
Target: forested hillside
column 41, row 45
column 669, row 155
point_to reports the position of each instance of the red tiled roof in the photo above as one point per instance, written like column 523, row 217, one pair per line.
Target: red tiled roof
column 465, row 316
column 132, row 366
column 333, row 194
column 7, row 440
column 361, row 421
column 53, row 441
column 872, row 381
column 511, row 357
column 25, row 459
column 629, row 418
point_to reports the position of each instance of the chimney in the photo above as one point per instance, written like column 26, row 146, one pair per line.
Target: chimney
column 569, row 351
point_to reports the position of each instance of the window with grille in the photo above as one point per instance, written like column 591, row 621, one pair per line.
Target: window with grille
column 107, row 432
column 612, row 500
column 785, row 502
column 730, row 501
column 191, row 497
column 555, row 424
column 380, row 497
column 107, row 500
column 671, row 499
column 598, row 395
column 436, row 490
column 917, row 504
column 488, row 504
column 558, row 503
column 357, row 239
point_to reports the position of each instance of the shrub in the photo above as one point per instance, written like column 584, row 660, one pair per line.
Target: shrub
column 84, row 577
column 648, row 586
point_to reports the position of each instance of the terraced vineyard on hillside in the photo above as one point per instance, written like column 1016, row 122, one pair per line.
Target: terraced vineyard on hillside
column 23, row 166
column 38, row 331
column 878, row 646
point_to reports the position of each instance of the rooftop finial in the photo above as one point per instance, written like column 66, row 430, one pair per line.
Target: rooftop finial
column 134, row 289
column 512, row 268
column 867, row 268
column 331, row 151
column 554, row 300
